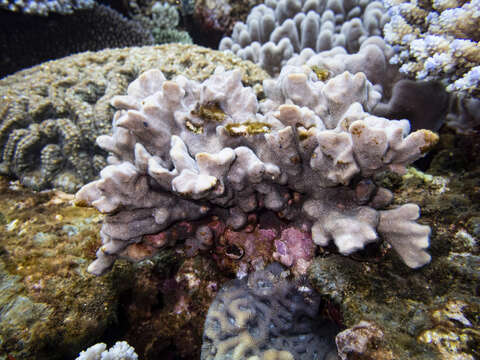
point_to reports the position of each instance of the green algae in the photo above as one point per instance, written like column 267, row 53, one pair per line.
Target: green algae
column 53, row 302
column 209, row 112
column 322, row 73
column 248, row 128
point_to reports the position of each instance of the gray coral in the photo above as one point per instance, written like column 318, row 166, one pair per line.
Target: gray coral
column 265, row 316
column 182, row 149
column 276, row 30
column 53, row 145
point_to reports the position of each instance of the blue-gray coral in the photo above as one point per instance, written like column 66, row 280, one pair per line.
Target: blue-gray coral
column 44, row 7
column 266, row 316
column 181, row 150
column 437, row 40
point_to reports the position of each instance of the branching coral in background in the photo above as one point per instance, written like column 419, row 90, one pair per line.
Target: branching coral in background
column 44, row 7
column 437, row 39
column 183, row 150
column 276, row 30
column 162, row 22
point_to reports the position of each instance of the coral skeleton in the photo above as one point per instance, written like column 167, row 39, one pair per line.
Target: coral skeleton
column 182, row 150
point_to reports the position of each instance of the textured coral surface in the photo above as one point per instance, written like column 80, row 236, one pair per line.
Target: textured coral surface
column 265, row 316
column 159, row 305
column 26, row 41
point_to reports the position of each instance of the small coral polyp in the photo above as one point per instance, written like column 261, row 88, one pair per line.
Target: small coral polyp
column 312, row 167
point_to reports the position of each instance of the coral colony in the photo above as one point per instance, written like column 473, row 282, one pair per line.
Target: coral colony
column 254, row 317
column 43, row 7
column 182, row 150
column 277, row 30
column 437, row 40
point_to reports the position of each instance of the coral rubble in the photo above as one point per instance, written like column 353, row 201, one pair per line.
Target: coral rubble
column 182, row 150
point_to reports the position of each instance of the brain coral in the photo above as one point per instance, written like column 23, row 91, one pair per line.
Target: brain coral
column 50, row 115
column 181, row 150
column 267, row 317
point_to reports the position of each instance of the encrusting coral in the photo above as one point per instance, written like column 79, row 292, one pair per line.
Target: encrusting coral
column 437, row 40
column 183, row 150
column 267, row 317
column 278, row 29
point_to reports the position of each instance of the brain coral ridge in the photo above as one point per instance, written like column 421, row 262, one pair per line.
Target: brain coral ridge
column 276, row 30
column 181, row 150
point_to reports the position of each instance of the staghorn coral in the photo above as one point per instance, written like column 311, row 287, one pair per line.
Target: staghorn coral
column 437, row 40
column 276, row 30
column 50, row 115
column 181, row 150
column 265, row 316
column 44, row 7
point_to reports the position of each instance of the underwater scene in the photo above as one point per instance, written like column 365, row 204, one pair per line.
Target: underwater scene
column 239, row 179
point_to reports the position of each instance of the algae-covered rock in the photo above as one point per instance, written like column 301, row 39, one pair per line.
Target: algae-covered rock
column 50, row 308
column 430, row 313
column 51, row 114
